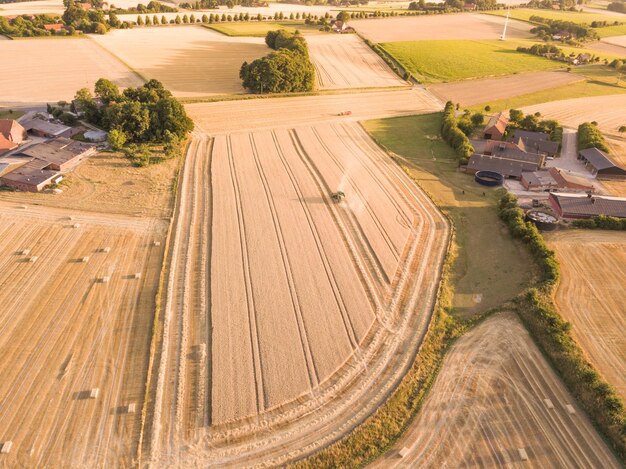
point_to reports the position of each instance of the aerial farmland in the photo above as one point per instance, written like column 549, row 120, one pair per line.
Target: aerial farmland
column 273, row 254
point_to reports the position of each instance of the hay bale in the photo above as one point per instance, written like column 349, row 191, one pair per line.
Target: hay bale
column 85, row 259
column 93, row 394
column 570, row 409
column 403, row 452
column 6, row 447
column 130, row 409
column 522, row 454
column 156, row 243
column 33, row 259
column 76, row 225
column 24, row 252
column 105, row 279
column 548, row 403
column 137, row 275
column 105, row 249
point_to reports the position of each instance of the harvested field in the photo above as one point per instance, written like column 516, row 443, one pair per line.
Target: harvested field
column 433, row 27
column 592, row 297
column 73, row 320
column 188, row 60
column 285, row 309
column 617, row 48
column 50, row 70
column 345, row 61
column 618, row 41
column 488, row 408
column 32, row 8
column 472, row 92
column 233, row 116
column 607, row 111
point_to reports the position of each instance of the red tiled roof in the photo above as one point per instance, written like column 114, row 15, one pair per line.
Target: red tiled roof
column 53, row 27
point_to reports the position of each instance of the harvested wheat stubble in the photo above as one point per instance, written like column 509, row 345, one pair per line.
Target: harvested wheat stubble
column 618, row 41
column 607, row 111
column 50, row 70
column 470, row 92
column 430, row 27
column 592, row 297
column 307, row 335
column 344, row 61
column 188, row 60
column 488, row 403
column 63, row 334
column 235, row 116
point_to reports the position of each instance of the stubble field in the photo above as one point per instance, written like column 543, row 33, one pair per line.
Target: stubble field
column 189, row 60
column 494, row 396
column 345, row 61
column 66, row 331
column 48, row 70
column 617, row 40
column 592, row 297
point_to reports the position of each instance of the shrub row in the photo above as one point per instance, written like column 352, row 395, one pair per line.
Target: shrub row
column 601, row 222
column 393, row 65
column 453, row 135
column 553, row 335
column 590, row 136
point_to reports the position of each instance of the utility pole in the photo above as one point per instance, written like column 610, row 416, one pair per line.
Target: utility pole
column 506, row 23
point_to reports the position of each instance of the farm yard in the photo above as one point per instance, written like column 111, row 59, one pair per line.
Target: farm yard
column 344, row 61
column 286, row 337
column 591, row 296
column 607, row 111
column 78, row 304
column 190, row 61
column 49, row 70
column 496, row 402
column 471, row 92
column 439, row 27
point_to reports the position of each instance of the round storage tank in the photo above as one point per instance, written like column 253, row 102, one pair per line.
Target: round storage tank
column 543, row 219
column 489, row 178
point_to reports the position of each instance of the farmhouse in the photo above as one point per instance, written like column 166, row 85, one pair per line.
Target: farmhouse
column 599, row 164
column 535, row 142
column 555, row 179
column 587, row 205
column 54, row 27
column 61, row 154
column 341, row 27
column 43, row 128
column 496, row 127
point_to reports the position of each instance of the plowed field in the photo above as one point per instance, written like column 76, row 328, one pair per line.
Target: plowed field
column 74, row 318
column 495, row 400
column 592, row 297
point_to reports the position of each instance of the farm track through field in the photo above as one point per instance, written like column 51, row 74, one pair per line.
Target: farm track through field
column 273, row 187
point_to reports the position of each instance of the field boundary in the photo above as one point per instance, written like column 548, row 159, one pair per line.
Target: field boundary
column 139, row 75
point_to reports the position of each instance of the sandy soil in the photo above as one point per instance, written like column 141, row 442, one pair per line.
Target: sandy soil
column 64, row 333
column 470, row 92
column 592, row 297
column 461, row 26
column 344, row 61
column 489, row 401
column 233, row 116
column 49, row 70
column 109, row 183
column 607, row 111
column 279, row 300
column 190, row 61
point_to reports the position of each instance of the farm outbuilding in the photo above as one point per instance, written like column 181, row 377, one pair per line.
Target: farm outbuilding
column 62, row 154
column 496, row 127
column 587, row 205
column 31, row 177
column 599, row 164
column 45, row 129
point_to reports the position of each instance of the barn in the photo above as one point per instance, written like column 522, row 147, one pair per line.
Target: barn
column 599, row 164
column 587, row 205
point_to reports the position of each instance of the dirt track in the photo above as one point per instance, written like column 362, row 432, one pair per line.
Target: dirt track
column 488, row 402
column 345, row 61
column 284, row 309
column 272, row 113
column 63, row 332
column 592, row 297
column 470, row 92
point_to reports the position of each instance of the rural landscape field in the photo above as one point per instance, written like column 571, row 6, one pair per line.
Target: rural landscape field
column 240, row 234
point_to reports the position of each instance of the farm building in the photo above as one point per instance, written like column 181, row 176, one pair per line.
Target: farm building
column 599, row 164
column 496, row 127
column 510, row 168
column 555, row 179
column 32, row 176
column 507, row 150
column 43, row 128
column 535, row 142
column 11, row 135
column 341, row 27
column 61, row 154
column 587, row 205
column 54, row 27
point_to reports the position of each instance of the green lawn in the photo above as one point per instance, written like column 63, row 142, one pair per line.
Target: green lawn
column 488, row 261
column 524, row 14
column 10, row 114
column 440, row 61
column 257, row 28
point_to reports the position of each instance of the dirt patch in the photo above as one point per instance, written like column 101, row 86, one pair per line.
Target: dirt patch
column 458, row 26
column 472, row 92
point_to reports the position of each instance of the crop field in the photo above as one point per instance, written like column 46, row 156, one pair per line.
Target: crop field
column 281, row 300
column 616, row 40
column 495, row 400
column 228, row 116
column 49, row 70
column 260, row 29
column 444, row 60
column 592, row 297
column 439, row 27
column 32, row 8
column 607, row 111
column 75, row 317
column 188, row 60
column 345, row 61
column 470, row 92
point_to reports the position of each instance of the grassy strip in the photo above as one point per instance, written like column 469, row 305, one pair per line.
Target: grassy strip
column 389, row 60
column 554, row 337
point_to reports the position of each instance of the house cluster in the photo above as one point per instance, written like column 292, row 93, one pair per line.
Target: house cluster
column 32, row 164
column 341, row 27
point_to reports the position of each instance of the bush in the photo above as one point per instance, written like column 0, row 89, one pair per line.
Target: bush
column 453, row 135
column 602, row 222
column 589, row 136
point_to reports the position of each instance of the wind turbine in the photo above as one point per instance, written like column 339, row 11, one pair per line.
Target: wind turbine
column 506, row 23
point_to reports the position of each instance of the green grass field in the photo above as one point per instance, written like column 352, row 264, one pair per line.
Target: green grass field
column 258, row 29
column 488, row 262
column 10, row 114
column 441, row 61
column 524, row 14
